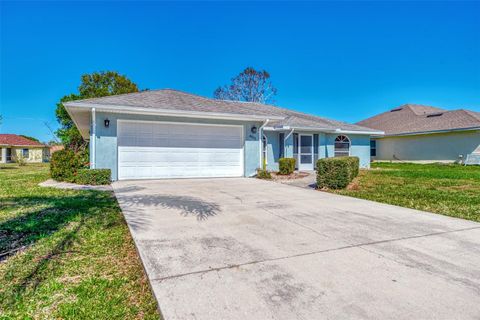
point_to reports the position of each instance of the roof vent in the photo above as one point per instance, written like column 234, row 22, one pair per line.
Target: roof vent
column 436, row 114
column 396, row 109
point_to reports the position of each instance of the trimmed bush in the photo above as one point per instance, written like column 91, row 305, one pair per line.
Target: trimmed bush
column 64, row 165
column 286, row 165
column 354, row 163
column 20, row 160
column 263, row 174
column 336, row 173
column 93, row 176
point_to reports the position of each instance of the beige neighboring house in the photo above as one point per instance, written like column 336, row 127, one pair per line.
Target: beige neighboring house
column 14, row 146
column 425, row 134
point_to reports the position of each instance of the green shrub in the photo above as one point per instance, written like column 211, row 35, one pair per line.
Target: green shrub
column 64, row 165
column 336, row 173
column 354, row 163
column 263, row 174
column 93, row 176
column 20, row 160
column 286, row 165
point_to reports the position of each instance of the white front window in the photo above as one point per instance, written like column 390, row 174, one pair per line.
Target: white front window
column 342, row 146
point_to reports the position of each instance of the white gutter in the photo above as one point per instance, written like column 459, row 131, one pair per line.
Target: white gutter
column 326, row 130
column 431, row 132
column 260, row 136
column 167, row 112
column 94, row 133
column 359, row 132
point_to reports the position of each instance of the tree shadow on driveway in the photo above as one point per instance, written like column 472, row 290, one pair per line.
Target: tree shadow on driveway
column 188, row 206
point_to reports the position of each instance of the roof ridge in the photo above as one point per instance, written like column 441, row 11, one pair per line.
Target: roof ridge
column 223, row 100
column 473, row 114
column 262, row 105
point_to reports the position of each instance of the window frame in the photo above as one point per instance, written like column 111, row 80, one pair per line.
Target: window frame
column 281, row 138
column 373, row 148
column 344, row 153
column 27, row 151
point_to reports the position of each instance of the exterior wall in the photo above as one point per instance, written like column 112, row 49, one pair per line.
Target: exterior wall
column 35, row 155
column 431, row 147
column 106, row 139
column 273, row 149
column 360, row 147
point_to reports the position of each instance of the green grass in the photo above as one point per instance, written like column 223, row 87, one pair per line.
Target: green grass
column 71, row 254
column 451, row 190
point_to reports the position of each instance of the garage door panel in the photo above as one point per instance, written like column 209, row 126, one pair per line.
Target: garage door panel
column 166, row 150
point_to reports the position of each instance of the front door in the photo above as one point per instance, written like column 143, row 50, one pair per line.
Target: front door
column 9, row 155
column 305, row 152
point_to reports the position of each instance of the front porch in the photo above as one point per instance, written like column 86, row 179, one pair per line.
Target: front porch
column 6, row 154
column 309, row 146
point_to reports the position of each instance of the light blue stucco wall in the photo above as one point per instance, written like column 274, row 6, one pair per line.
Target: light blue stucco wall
column 106, row 139
column 273, row 150
column 429, row 147
column 360, row 147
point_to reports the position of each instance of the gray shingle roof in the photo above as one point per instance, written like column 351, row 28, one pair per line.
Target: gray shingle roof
column 412, row 118
column 168, row 99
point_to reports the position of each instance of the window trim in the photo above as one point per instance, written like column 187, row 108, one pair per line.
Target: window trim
column 373, row 148
column 281, row 143
column 27, row 151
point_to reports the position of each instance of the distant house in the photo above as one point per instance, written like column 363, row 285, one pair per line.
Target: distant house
column 423, row 133
column 14, row 146
column 56, row 147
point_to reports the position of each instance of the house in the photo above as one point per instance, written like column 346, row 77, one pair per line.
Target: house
column 423, row 133
column 56, row 147
column 173, row 134
column 14, row 146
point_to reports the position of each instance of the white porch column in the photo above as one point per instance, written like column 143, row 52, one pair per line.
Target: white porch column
column 4, row 155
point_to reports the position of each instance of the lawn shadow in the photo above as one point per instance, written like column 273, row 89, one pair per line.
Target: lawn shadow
column 49, row 215
column 67, row 214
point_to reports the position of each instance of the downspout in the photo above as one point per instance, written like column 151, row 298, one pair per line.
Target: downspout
column 93, row 138
column 285, row 142
column 260, row 138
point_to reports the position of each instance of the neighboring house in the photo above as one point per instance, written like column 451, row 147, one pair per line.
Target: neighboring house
column 14, row 146
column 172, row 134
column 56, row 147
column 423, row 133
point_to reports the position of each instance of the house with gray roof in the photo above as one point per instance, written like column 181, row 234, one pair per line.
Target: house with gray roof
column 426, row 134
column 172, row 134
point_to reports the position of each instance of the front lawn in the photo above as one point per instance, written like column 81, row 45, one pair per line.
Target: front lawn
column 451, row 190
column 66, row 254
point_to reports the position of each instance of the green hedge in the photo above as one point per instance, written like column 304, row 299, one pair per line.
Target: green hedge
column 336, row 173
column 64, row 164
column 286, row 165
column 93, row 176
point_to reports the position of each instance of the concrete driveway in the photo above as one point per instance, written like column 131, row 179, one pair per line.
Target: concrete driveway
column 252, row 249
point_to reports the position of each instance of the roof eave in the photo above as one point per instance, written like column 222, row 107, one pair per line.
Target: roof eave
column 167, row 112
column 22, row 145
column 432, row 132
column 326, row 130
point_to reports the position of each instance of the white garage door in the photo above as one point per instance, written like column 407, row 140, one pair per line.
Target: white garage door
column 153, row 150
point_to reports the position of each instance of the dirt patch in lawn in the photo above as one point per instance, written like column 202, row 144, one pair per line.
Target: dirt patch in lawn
column 293, row 176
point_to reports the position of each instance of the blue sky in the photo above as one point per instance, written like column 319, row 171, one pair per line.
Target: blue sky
column 343, row 60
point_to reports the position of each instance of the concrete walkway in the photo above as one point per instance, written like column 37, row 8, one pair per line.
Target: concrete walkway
column 252, row 249
column 50, row 183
